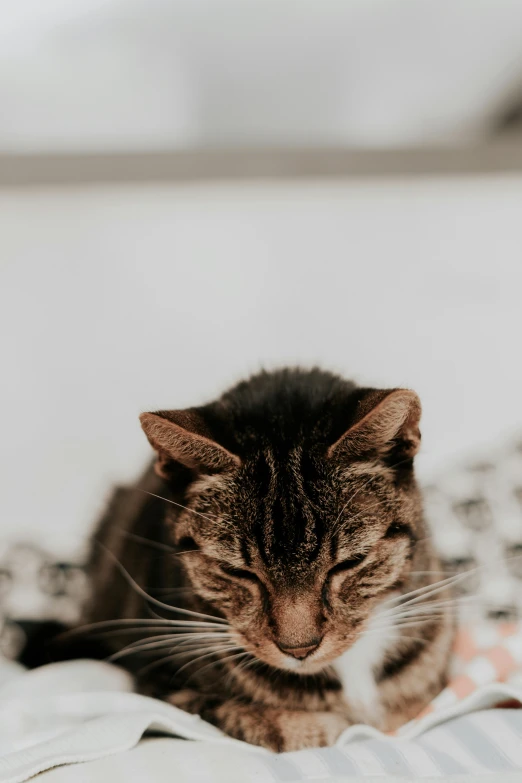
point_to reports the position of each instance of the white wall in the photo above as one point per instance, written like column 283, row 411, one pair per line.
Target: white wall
column 118, row 300
column 91, row 74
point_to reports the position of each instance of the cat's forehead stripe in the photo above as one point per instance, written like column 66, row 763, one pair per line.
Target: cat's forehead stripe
column 288, row 524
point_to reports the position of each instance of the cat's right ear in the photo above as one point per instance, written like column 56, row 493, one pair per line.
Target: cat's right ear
column 386, row 420
column 182, row 438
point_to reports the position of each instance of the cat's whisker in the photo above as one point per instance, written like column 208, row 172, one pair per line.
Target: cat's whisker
column 410, row 623
column 141, row 624
column 175, row 633
column 173, row 656
column 150, row 598
column 401, row 637
column 455, row 599
column 427, row 606
column 393, row 631
column 242, row 665
column 147, row 541
column 449, row 604
column 450, row 611
column 201, row 646
column 422, row 592
column 424, row 616
column 431, row 590
column 215, row 651
column 428, row 610
column 253, row 662
column 352, row 496
column 209, row 517
column 222, row 660
column 339, row 520
column 190, row 622
column 423, row 620
column 176, row 639
column 418, row 595
column 187, row 645
column 202, row 657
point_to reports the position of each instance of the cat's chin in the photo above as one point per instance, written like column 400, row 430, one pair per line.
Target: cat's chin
column 313, row 664
column 290, row 664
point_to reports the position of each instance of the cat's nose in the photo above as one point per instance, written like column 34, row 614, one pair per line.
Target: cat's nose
column 300, row 652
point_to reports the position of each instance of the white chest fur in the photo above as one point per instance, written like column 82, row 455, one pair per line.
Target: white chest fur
column 356, row 667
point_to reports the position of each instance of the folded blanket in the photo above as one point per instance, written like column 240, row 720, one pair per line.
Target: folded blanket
column 82, row 710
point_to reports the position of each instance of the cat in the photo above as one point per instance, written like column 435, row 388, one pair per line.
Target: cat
column 275, row 563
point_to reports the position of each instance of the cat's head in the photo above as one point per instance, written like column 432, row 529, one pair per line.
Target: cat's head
column 294, row 532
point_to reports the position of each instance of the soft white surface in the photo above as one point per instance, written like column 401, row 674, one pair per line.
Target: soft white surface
column 118, row 300
column 154, row 760
column 79, row 711
column 151, row 73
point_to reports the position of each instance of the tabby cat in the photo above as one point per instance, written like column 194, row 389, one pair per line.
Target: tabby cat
column 272, row 570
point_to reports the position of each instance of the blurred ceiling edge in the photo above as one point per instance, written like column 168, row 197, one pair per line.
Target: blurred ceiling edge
column 40, row 169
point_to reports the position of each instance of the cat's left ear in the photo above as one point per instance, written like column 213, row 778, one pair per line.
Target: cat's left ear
column 182, row 438
column 385, row 421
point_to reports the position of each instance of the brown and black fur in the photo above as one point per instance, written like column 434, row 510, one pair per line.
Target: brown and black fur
column 294, row 513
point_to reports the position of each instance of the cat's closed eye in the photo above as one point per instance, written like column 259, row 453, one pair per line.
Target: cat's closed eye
column 347, row 565
column 239, row 573
column 188, row 544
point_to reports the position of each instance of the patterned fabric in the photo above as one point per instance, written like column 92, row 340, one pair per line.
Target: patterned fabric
column 478, row 743
column 484, row 655
column 475, row 514
column 34, row 586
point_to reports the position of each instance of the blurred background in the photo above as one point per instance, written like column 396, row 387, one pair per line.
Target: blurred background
column 193, row 189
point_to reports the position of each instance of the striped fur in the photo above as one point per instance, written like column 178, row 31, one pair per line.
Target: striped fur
column 295, row 515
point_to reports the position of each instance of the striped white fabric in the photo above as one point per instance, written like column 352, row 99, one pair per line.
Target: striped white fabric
column 84, row 710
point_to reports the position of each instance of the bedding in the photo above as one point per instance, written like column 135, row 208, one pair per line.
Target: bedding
column 168, row 760
column 85, row 710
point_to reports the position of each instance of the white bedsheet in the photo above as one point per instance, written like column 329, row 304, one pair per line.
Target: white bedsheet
column 175, row 761
column 85, row 711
